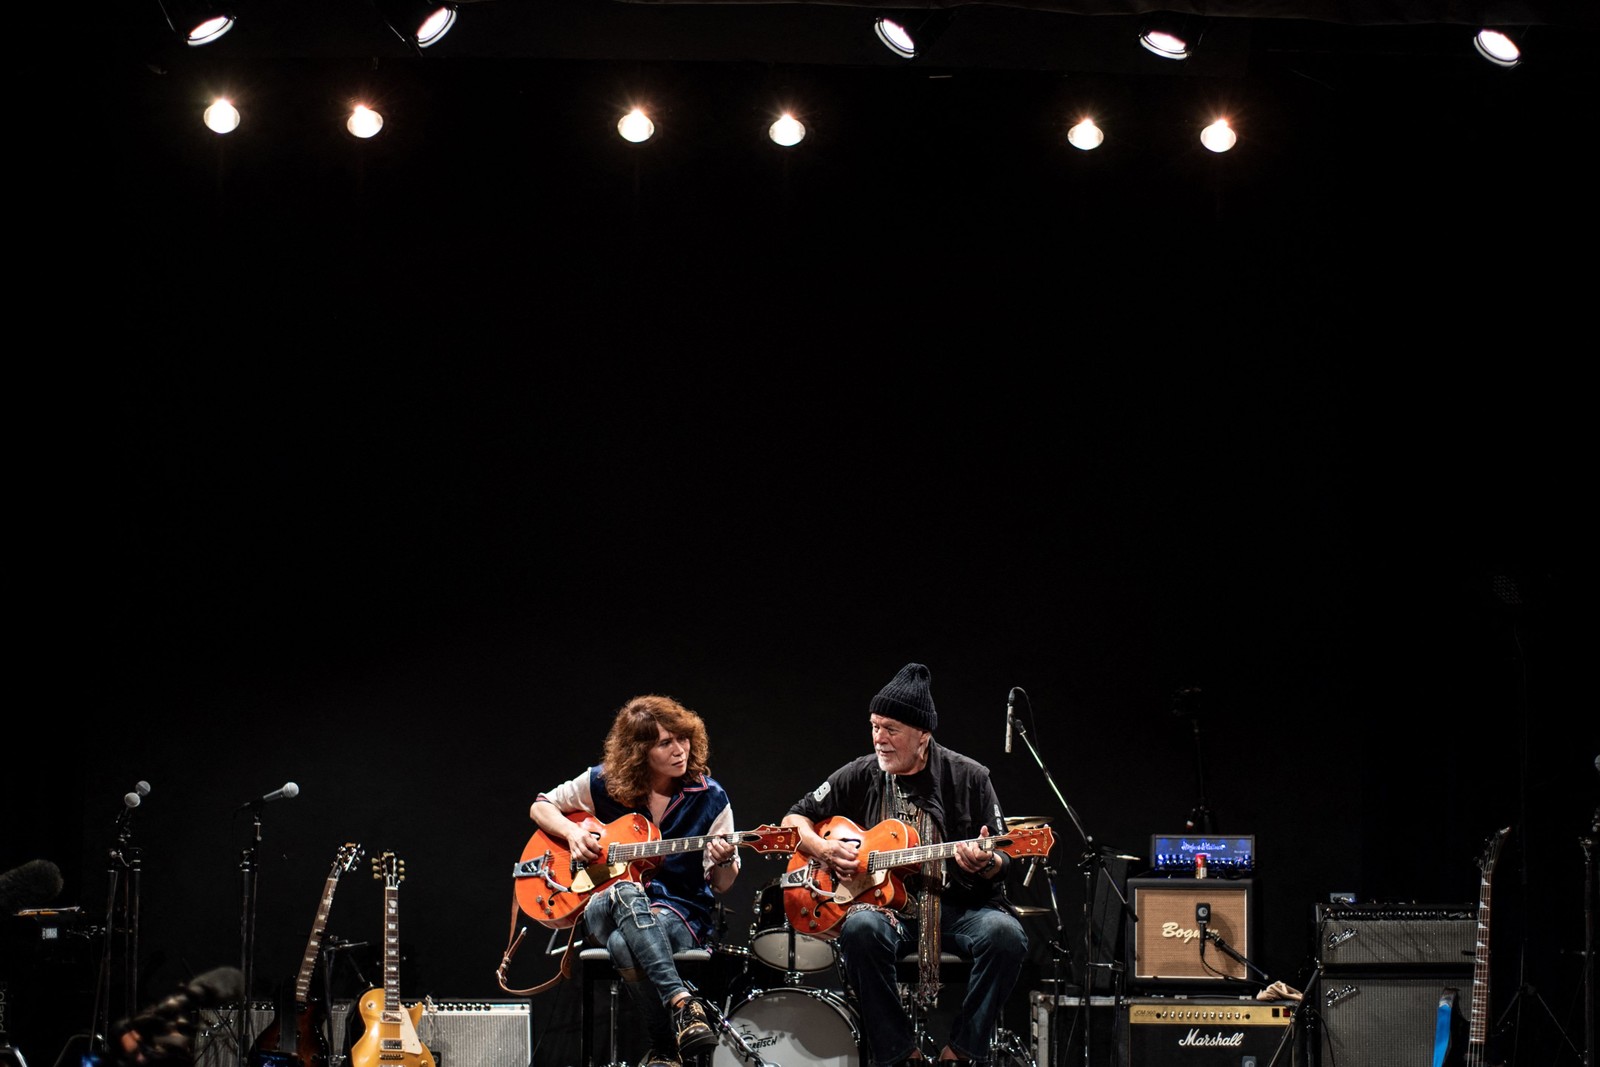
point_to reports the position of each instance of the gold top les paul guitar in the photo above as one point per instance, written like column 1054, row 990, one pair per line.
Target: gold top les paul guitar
column 391, row 1037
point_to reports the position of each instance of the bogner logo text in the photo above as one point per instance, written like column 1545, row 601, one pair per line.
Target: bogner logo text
column 1195, row 1039
column 1173, row 929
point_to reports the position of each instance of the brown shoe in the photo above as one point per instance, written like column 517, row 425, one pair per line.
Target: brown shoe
column 694, row 1026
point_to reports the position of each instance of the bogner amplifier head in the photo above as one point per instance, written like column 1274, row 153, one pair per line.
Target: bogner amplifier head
column 1208, row 1032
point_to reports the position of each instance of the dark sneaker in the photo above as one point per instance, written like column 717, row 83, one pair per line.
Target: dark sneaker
column 694, row 1026
column 656, row 1059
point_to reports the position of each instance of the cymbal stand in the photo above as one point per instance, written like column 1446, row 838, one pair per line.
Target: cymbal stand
column 1093, row 860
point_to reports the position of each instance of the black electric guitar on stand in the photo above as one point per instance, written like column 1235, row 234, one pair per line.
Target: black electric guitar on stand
column 297, row 1035
column 391, row 1037
column 1447, row 1050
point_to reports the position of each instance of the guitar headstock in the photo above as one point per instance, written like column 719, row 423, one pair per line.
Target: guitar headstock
column 1027, row 841
column 1491, row 851
column 344, row 862
column 770, row 838
column 389, row 869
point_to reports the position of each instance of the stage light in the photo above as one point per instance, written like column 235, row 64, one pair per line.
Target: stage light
column 787, row 131
column 1085, row 135
column 909, row 36
column 1498, row 48
column 363, row 122
column 198, row 22
column 636, row 126
column 419, row 23
column 221, row 116
column 1219, row 136
column 1168, row 36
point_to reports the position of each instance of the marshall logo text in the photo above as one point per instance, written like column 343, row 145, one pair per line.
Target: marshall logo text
column 1195, row 1039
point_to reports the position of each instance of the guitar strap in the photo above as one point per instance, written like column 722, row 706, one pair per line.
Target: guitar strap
column 514, row 942
column 1444, row 1030
column 928, row 951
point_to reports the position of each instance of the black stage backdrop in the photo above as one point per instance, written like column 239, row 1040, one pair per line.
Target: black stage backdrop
column 440, row 493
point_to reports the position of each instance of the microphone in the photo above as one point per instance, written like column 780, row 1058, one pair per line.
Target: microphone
column 1011, row 699
column 287, row 791
column 1027, row 876
column 35, row 882
column 130, row 801
column 165, row 1032
column 1202, row 915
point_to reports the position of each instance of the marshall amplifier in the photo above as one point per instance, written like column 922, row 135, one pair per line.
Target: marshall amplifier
column 1210, row 1032
column 1165, row 941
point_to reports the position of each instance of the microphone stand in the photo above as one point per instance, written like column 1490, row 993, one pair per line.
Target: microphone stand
column 1184, row 703
column 122, row 902
column 1216, row 939
column 1093, row 860
column 1587, row 843
column 247, row 929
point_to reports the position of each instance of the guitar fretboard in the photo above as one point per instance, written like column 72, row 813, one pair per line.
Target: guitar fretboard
column 302, row 981
column 1478, row 1029
column 627, row 853
column 905, row 857
column 391, row 949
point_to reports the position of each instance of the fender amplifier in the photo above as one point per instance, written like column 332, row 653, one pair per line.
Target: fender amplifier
column 1377, row 937
column 1209, row 1032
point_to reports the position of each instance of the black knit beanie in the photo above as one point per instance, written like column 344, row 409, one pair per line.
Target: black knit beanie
column 908, row 698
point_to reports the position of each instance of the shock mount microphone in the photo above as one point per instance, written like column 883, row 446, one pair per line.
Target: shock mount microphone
column 1011, row 700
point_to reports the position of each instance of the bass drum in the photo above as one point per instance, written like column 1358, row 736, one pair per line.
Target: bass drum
column 794, row 1027
column 775, row 943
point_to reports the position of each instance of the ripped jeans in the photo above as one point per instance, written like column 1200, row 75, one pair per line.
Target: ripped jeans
column 870, row 943
column 641, row 940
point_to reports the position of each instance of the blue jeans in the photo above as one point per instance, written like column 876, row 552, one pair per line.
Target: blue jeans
column 641, row 941
column 871, row 942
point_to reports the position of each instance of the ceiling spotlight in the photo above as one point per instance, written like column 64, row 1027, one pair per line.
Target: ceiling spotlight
column 787, row 131
column 1085, row 135
column 1219, row 136
column 1497, row 48
column 221, row 116
column 198, row 22
column 636, row 126
column 419, row 23
column 363, row 122
column 1168, row 36
column 910, row 36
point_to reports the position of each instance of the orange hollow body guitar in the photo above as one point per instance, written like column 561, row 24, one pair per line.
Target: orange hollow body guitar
column 391, row 1037
column 815, row 901
column 552, row 887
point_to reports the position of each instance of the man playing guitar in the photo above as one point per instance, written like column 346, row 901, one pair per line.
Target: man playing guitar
column 910, row 780
column 654, row 765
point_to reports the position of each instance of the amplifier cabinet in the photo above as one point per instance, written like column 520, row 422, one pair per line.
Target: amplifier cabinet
column 216, row 1039
column 1384, row 1021
column 1210, row 1032
column 1165, row 943
column 478, row 1033
column 458, row 1033
column 1055, row 1020
column 1361, row 937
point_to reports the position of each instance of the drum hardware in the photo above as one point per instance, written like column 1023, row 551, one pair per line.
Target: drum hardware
column 774, row 941
column 813, row 1027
